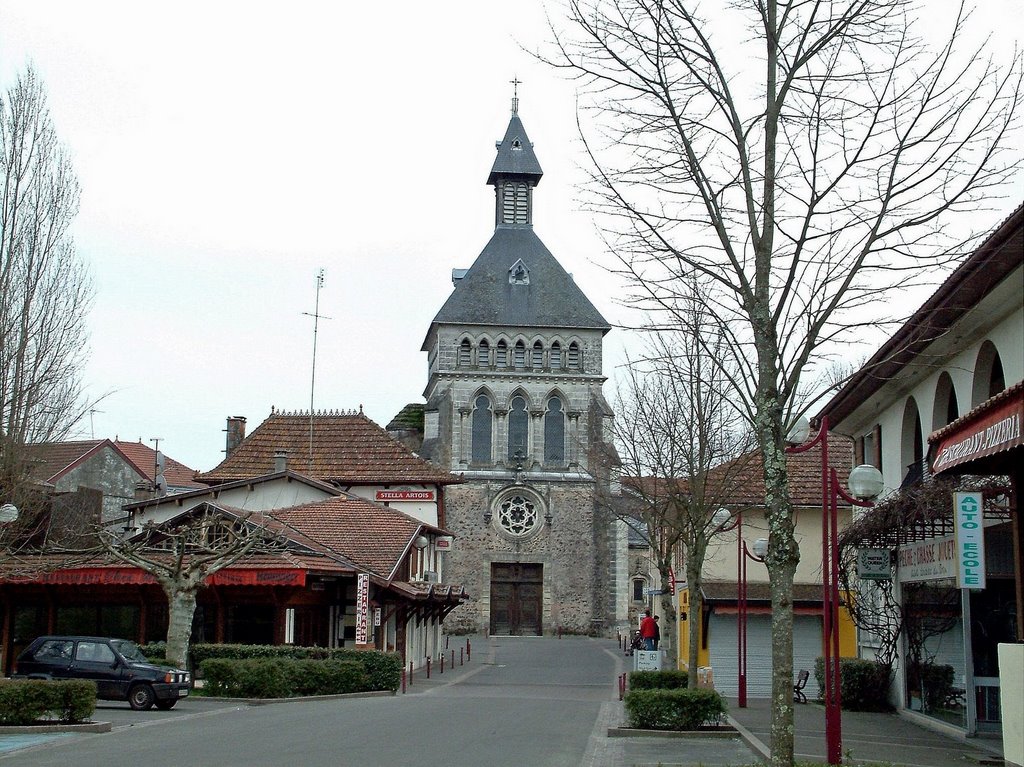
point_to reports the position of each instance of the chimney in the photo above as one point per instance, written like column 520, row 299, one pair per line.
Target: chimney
column 235, row 432
column 143, row 490
column 280, row 461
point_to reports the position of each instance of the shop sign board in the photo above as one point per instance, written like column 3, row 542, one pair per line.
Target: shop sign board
column 404, row 495
column 874, row 564
column 932, row 559
column 968, row 516
column 362, row 607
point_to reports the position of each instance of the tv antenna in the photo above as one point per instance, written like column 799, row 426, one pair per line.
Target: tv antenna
column 312, row 378
column 92, row 430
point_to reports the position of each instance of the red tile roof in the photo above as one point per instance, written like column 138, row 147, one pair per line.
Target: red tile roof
column 348, row 448
column 741, row 481
column 374, row 537
column 51, row 460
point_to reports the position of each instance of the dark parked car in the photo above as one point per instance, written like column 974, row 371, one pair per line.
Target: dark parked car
column 117, row 666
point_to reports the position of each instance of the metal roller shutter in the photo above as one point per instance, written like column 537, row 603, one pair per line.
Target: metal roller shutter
column 724, row 654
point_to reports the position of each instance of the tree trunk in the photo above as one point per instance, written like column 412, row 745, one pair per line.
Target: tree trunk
column 181, row 604
column 693, row 623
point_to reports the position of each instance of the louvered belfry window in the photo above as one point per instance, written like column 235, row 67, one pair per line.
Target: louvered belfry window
column 483, row 354
column 573, row 361
column 501, row 354
column 515, row 203
column 556, row 355
column 465, row 353
column 537, row 360
column 520, row 352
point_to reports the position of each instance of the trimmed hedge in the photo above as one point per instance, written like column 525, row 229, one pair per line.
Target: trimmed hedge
column 863, row 684
column 383, row 670
column 282, row 677
column 658, row 680
column 678, row 709
column 28, row 701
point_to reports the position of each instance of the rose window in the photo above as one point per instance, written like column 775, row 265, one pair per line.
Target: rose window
column 517, row 515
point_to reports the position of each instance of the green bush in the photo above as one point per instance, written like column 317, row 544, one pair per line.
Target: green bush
column 678, row 709
column 658, row 680
column 282, row 677
column 863, row 684
column 383, row 670
column 155, row 652
column 27, row 701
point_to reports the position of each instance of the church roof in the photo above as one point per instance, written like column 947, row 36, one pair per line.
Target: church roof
column 547, row 297
column 515, row 154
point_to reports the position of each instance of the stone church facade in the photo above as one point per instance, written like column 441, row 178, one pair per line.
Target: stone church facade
column 514, row 404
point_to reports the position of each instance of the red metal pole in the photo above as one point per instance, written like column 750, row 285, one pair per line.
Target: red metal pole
column 834, row 733
column 741, row 614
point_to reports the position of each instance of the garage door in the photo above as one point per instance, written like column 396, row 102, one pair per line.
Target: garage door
column 724, row 654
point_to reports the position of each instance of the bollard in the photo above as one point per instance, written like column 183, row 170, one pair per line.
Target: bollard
column 410, row 672
column 442, row 664
column 403, row 681
column 469, row 651
column 446, row 643
column 453, row 659
column 461, row 661
column 428, row 668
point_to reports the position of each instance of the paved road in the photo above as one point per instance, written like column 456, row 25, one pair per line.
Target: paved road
column 523, row 702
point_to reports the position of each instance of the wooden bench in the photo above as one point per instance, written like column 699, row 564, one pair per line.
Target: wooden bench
column 798, row 688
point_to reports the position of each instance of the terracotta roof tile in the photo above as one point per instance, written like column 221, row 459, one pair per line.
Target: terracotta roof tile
column 373, row 536
column 52, row 459
column 348, row 448
column 743, row 478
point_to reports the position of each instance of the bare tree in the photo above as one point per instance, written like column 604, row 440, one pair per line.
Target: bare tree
column 45, row 291
column 183, row 552
column 680, row 442
column 802, row 160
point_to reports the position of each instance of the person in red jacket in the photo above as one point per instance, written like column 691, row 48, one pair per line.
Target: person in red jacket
column 648, row 630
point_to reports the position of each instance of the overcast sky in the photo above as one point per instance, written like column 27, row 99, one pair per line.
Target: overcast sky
column 227, row 151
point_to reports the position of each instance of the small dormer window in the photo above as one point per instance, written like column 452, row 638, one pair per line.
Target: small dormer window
column 518, row 274
column 517, row 144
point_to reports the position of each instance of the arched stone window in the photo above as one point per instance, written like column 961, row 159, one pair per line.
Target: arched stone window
column 911, row 444
column 989, row 379
column 465, row 354
column 518, row 428
column 946, row 408
column 520, row 354
column 501, row 354
column 554, row 433
column 483, row 354
column 556, row 356
column 573, row 358
column 537, row 358
column 481, row 427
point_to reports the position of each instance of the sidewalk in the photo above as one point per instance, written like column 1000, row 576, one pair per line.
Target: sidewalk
column 866, row 737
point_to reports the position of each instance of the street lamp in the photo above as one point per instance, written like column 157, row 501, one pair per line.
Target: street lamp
column 866, row 483
column 720, row 521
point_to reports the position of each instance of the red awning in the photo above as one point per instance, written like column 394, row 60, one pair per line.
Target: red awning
column 132, row 576
column 991, row 428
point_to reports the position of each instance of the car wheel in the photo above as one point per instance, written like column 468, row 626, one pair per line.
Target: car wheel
column 141, row 697
column 166, row 705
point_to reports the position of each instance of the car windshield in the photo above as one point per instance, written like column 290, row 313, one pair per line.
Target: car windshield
column 129, row 650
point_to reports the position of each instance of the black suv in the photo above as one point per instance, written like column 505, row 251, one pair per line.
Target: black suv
column 117, row 666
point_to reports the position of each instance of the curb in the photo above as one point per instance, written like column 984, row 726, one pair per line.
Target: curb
column 304, row 698
column 629, row 732
column 752, row 741
column 47, row 728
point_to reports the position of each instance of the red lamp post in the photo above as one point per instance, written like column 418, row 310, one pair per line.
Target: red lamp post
column 742, row 555
column 866, row 482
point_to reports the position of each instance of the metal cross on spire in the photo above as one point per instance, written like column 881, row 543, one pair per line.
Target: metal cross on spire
column 516, row 82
